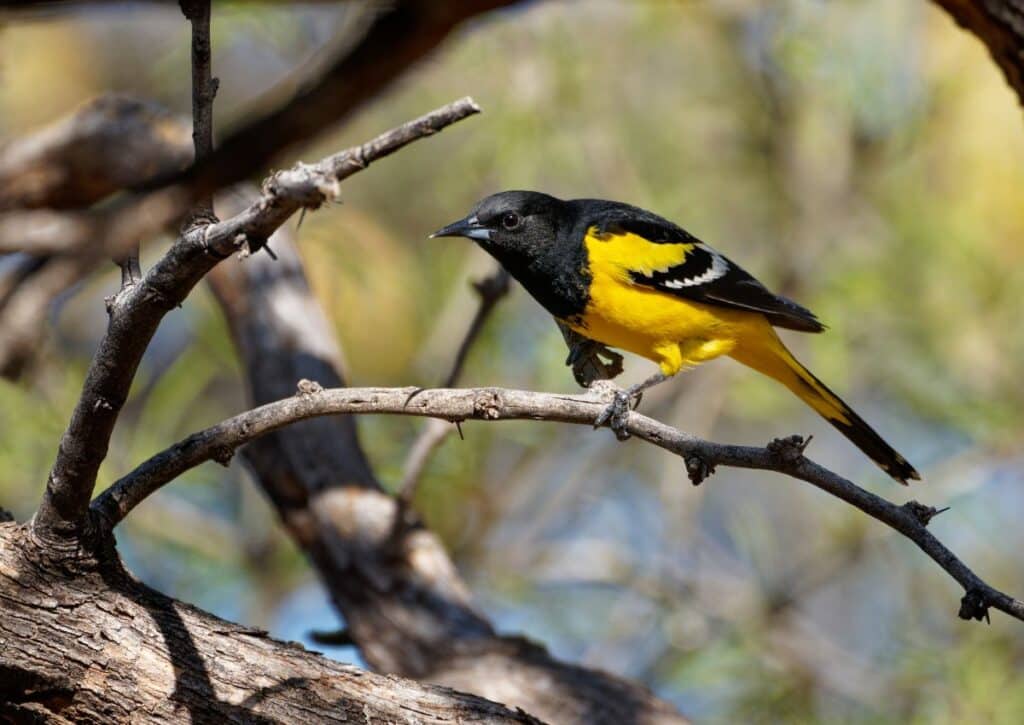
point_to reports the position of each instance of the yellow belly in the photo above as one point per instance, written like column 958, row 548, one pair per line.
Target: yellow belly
column 673, row 332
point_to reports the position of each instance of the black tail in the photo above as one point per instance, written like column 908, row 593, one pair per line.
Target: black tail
column 770, row 356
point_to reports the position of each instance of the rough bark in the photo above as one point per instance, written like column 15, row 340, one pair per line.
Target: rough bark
column 82, row 641
column 403, row 602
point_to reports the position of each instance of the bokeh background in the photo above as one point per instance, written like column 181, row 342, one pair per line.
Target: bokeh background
column 862, row 156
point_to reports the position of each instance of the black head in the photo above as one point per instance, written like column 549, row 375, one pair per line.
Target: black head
column 510, row 223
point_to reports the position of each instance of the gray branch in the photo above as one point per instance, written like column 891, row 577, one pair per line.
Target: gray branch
column 136, row 312
column 489, row 404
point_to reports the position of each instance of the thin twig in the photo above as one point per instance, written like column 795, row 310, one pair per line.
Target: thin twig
column 489, row 291
column 399, row 36
column 204, row 90
column 131, row 271
column 489, row 404
column 136, row 312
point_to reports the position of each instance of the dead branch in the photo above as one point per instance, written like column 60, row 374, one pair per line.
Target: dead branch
column 137, row 310
column 399, row 35
column 204, row 89
column 110, row 143
column 23, row 311
column 488, row 404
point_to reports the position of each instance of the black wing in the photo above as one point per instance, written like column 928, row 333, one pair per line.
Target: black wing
column 705, row 275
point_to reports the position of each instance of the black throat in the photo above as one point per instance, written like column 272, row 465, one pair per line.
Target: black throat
column 555, row 273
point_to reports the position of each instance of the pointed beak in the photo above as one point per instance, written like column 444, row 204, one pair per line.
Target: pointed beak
column 469, row 227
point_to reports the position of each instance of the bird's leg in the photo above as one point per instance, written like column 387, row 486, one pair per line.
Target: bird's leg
column 617, row 412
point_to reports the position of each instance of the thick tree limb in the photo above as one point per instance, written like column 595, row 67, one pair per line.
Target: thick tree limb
column 136, row 311
column 999, row 24
column 110, row 143
column 398, row 37
column 402, row 600
column 100, row 647
column 783, row 456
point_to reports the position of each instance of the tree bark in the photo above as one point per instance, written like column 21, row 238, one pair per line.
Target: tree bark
column 82, row 641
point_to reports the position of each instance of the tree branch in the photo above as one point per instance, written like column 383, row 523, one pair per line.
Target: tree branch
column 23, row 310
column 108, row 649
column 109, row 143
column 488, row 404
column 489, row 291
column 136, row 311
column 398, row 37
column 204, row 89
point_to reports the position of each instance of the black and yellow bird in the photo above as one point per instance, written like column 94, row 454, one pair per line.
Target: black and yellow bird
column 630, row 279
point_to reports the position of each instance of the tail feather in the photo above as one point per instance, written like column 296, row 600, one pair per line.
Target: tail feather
column 770, row 357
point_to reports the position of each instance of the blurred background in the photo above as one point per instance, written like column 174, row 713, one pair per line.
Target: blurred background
column 862, row 156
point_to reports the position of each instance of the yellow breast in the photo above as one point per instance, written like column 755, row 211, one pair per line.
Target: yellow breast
column 670, row 330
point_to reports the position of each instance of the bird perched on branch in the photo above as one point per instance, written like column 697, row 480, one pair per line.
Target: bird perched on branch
column 630, row 279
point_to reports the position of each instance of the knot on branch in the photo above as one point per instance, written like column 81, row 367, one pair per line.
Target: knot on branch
column 789, row 450
column 223, row 455
column 922, row 513
column 698, row 469
column 974, row 605
column 306, row 388
column 487, row 405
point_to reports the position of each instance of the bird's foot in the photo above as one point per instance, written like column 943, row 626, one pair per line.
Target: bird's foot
column 616, row 414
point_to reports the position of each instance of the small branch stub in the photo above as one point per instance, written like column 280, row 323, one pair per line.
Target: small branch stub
column 974, row 606
column 306, row 388
column 697, row 469
column 922, row 512
column 789, row 450
column 487, row 405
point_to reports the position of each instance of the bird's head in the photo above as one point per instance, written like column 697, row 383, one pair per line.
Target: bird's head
column 510, row 222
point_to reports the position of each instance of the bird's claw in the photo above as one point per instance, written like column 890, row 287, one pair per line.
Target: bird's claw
column 616, row 415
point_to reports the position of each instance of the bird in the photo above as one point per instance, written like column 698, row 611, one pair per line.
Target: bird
column 630, row 279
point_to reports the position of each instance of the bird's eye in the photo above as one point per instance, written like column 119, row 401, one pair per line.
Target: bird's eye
column 510, row 220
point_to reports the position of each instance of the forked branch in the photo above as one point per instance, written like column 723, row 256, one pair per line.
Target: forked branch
column 137, row 310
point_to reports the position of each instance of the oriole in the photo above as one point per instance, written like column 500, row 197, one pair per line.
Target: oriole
column 630, row 279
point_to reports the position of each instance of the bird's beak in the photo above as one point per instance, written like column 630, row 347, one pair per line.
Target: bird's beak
column 469, row 227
